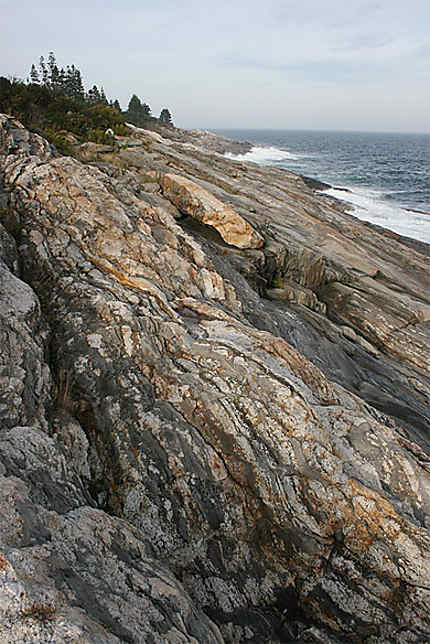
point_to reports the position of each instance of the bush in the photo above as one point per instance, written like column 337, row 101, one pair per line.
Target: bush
column 59, row 141
column 49, row 112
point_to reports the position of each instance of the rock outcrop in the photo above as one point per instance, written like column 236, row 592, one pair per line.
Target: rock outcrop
column 203, row 441
column 191, row 199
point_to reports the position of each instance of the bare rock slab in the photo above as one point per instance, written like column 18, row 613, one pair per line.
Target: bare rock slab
column 199, row 203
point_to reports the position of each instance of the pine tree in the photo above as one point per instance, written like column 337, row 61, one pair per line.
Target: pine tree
column 68, row 82
column 134, row 106
column 54, row 72
column 116, row 105
column 93, row 95
column 166, row 117
column 146, row 111
column 103, row 98
column 137, row 112
column 44, row 74
column 62, row 79
column 77, row 84
column 34, row 75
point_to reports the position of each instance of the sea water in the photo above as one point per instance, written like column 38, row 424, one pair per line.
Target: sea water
column 387, row 175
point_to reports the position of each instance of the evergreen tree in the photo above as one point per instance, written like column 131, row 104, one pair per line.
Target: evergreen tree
column 116, row 105
column 94, row 96
column 44, row 74
column 103, row 98
column 34, row 75
column 134, row 106
column 77, row 84
column 138, row 113
column 54, row 72
column 67, row 81
column 166, row 117
column 62, row 79
column 146, row 111
column 68, row 84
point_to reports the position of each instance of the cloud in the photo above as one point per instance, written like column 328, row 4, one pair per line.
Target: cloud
column 203, row 59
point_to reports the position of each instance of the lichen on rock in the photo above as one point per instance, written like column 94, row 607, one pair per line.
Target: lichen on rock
column 183, row 459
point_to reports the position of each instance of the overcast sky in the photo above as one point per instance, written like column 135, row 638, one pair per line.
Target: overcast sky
column 337, row 64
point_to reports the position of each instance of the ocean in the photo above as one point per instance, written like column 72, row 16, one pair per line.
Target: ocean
column 388, row 175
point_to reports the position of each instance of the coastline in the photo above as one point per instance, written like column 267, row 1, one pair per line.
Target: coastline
column 367, row 201
column 216, row 393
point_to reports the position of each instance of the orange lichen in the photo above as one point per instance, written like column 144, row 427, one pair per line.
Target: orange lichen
column 3, row 563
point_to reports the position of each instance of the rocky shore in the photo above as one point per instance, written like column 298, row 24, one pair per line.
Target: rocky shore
column 209, row 141
column 214, row 403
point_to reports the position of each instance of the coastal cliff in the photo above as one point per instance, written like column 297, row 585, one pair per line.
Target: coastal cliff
column 214, row 409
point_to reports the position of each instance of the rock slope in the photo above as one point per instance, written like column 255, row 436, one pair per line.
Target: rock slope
column 214, row 406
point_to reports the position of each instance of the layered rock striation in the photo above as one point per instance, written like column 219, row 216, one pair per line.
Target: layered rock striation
column 215, row 404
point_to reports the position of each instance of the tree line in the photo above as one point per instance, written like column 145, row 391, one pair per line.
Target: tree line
column 68, row 81
column 53, row 102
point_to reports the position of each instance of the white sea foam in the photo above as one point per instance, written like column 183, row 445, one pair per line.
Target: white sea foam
column 263, row 156
column 367, row 204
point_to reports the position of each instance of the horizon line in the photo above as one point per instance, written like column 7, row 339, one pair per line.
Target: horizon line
column 304, row 129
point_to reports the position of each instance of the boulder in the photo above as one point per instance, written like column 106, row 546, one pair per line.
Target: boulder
column 199, row 203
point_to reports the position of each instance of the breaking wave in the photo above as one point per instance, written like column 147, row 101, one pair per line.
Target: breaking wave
column 387, row 175
column 263, row 155
column 369, row 205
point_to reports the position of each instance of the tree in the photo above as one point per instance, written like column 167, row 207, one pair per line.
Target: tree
column 137, row 112
column 44, row 74
column 134, row 106
column 166, row 117
column 54, row 72
column 61, row 79
column 94, row 96
column 69, row 81
column 103, row 98
column 34, row 75
column 5, row 93
column 134, row 111
column 74, row 81
column 146, row 111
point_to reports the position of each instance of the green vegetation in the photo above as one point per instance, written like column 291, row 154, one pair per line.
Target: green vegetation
column 54, row 103
column 166, row 118
column 277, row 281
column 138, row 113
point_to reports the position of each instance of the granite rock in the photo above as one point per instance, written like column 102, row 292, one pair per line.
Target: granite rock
column 226, row 438
column 193, row 200
column 75, row 574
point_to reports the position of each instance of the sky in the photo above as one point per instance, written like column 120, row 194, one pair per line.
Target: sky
column 294, row 64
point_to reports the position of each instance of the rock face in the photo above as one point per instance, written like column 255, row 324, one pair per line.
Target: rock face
column 182, row 458
column 71, row 573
